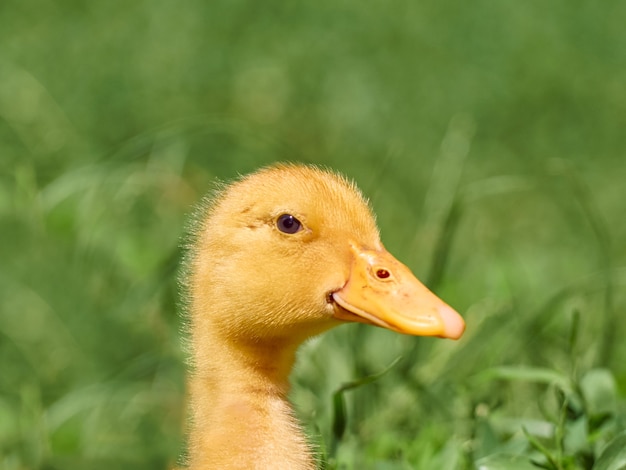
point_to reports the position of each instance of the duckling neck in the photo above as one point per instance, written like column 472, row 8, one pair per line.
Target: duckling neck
column 241, row 416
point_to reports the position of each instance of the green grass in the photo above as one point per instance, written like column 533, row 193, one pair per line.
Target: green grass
column 489, row 137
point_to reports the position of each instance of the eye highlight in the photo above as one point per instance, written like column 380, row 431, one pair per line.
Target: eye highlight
column 287, row 223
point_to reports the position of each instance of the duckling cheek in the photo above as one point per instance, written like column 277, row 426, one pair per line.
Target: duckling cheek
column 384, row 292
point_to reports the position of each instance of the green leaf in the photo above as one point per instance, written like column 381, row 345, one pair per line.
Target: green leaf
column 486, row 438
column 528, row 374
column 504, row 462
column 614, row 455
column 339, row 415
column 599, row 391
column 368, row 379
column 340, row 418
column 576, row 436
column 551, row 460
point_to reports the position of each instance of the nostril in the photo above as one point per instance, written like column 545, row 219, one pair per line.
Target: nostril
column 382, row 273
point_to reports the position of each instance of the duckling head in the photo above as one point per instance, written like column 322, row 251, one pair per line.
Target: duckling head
column 290, row 251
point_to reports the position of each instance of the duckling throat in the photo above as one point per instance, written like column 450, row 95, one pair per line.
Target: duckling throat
column 240, row 414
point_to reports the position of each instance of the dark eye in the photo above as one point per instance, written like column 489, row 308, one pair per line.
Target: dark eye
column 287, row 223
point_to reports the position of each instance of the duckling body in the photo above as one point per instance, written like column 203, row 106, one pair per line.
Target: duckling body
column 281, row 255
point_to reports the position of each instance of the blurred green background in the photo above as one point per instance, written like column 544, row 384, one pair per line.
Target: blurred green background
column 490, row 138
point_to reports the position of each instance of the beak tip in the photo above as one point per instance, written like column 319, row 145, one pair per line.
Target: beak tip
column 453, row 323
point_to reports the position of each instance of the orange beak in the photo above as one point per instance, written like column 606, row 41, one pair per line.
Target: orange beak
column 384, row 292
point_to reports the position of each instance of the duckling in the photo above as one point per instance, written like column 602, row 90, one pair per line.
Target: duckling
column 279, row 256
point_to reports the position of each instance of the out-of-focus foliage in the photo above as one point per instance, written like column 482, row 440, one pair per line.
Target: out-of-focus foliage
column 489, row 137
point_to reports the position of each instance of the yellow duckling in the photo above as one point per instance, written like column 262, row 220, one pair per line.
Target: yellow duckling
column 279, row 256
